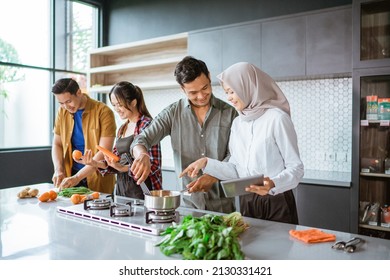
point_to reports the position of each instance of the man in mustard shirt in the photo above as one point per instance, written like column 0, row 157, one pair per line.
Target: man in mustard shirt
column 81, row 123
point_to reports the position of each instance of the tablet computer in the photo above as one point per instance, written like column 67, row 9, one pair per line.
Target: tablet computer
column 236, row 187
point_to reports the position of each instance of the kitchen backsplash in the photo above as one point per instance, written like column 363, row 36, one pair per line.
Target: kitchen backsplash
column 321, row 110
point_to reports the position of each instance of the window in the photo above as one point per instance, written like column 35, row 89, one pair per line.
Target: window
column 25, row 117
column 81, row 35
column 33, row 54
column 28, row 38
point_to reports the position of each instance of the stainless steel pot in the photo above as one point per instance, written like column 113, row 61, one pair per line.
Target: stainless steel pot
column 162, row 200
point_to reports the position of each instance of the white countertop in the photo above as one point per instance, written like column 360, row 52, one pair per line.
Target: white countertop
column 34, row 230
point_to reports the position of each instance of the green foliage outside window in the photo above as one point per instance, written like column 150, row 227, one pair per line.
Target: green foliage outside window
column 8, row 74
column 82, row 44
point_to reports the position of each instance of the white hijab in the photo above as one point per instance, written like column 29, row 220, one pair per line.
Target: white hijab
column 255, row 88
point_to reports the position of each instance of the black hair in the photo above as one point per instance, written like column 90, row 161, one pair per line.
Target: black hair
column 127, row 92
column 65, row 85
column 189, row 69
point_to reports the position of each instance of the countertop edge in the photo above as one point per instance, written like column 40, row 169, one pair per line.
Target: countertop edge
column 313, row 181
column 327, row 178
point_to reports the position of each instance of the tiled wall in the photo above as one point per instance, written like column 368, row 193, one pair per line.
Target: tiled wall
column 322, row 115
column 321, row 111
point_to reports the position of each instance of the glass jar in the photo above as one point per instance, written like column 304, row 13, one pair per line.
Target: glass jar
column 372, row 107
column 387, row 166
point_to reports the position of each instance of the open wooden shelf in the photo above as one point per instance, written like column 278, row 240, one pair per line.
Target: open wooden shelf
column 386, row 227
column 148, row 64
column 379, row 175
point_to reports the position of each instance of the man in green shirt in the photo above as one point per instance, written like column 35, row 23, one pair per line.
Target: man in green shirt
column 199, row 126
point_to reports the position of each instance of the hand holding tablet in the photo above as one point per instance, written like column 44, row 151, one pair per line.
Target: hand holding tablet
column 236, row 187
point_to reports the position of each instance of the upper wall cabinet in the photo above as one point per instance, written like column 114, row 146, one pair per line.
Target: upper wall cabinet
column 316, row 43
column 329, row 42
column 371, row 37
column 207, row 46
column 148, row 64
column 283, row 47
column 241, row 43
column 220, row 48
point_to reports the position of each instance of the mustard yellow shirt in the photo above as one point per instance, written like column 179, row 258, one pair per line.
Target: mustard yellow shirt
column 98, row 121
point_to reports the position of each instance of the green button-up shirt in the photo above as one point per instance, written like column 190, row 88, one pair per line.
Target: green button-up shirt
column 191, row 141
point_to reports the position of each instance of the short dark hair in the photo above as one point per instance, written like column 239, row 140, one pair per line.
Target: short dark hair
column 65, row 85
column 190, row 68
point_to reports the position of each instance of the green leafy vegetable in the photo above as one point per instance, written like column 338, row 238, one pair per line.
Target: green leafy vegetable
column 68, row 192
column 208, row 237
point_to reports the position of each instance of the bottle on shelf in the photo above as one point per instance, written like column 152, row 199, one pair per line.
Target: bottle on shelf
column 387, row 166
column 386, row 214
column 383, row 108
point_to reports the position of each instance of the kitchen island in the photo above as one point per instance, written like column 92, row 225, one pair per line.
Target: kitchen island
column 36, row 230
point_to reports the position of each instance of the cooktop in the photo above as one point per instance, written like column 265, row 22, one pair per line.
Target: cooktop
column 127, row 213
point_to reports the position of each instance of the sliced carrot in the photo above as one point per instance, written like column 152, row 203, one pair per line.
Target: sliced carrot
column 108, row 153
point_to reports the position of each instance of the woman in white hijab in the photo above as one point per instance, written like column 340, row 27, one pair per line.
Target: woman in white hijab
column 262, row 141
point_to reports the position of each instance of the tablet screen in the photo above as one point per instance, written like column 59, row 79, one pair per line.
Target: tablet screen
column 236, row 187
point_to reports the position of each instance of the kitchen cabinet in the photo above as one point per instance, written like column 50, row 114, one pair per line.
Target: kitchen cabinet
column 323, row 206
column 373, row 147
column 371, row 141
column 307, row 44
column 220, row 48
column 241, row 43
column 329, row 42
column 371, row 42
column 283, row 47
column 207, row 46
column 149, row 64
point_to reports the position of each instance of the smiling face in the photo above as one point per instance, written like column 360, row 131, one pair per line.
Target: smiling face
column 198, row 91
column 233, row 98
column 71, row 102
column 121, row 109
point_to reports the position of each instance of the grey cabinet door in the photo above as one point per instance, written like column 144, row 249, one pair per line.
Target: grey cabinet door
column 329, row 42
column 241, row 44
column 207, row 46
column 323, row 206
column 283, row 47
